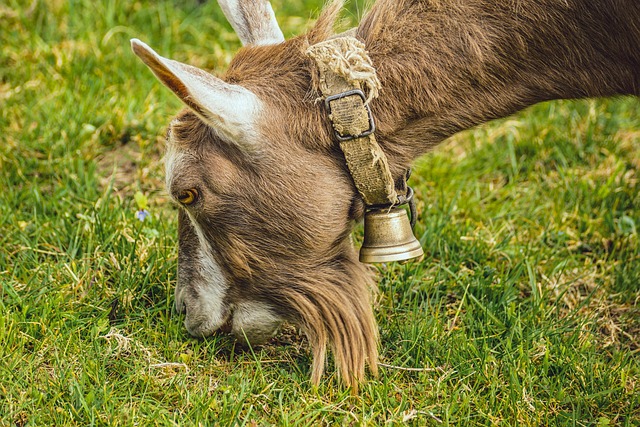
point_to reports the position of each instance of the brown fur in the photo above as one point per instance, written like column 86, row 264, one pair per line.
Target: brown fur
column 280, row 219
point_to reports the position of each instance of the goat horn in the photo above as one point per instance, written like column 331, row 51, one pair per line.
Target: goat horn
column 254, row 21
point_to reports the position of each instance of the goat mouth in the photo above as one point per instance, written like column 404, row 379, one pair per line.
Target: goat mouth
column 203, row 326
column 227, row 326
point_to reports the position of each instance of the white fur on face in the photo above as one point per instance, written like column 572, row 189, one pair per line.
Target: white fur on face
column 254, row 322
column 173, row 161
column 205, row 308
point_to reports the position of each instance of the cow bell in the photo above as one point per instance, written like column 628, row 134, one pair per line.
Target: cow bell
column 388, row 236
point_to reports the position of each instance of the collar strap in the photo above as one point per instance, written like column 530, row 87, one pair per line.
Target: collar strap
column 344, row 72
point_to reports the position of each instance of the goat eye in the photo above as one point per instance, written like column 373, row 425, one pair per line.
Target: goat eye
column 188, row 197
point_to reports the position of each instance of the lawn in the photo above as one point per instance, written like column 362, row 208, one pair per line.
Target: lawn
column 524, row 311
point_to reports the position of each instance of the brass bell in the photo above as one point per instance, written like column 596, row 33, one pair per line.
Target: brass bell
column 388, row 237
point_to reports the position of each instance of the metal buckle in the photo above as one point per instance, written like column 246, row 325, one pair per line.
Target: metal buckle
column 358, row 92
column 406, row 199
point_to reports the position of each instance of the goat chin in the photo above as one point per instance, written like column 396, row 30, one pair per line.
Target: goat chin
column 254, row 323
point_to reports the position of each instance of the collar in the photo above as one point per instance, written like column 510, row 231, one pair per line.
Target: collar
column 348, row 81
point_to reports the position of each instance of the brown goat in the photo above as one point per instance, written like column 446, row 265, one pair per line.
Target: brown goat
column 268, row 203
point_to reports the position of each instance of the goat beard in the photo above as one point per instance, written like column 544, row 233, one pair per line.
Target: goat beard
column 334, row 307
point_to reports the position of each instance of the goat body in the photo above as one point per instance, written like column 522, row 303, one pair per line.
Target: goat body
column 266, row 235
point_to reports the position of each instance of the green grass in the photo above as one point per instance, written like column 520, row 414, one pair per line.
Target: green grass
column 525, row 310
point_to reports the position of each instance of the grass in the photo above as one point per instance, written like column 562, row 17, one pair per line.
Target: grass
column 524, row 311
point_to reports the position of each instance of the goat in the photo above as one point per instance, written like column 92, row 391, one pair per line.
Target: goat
column 267, row 203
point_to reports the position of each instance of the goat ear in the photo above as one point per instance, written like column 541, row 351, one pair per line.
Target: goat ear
column 253, row 20
column 229, row 109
